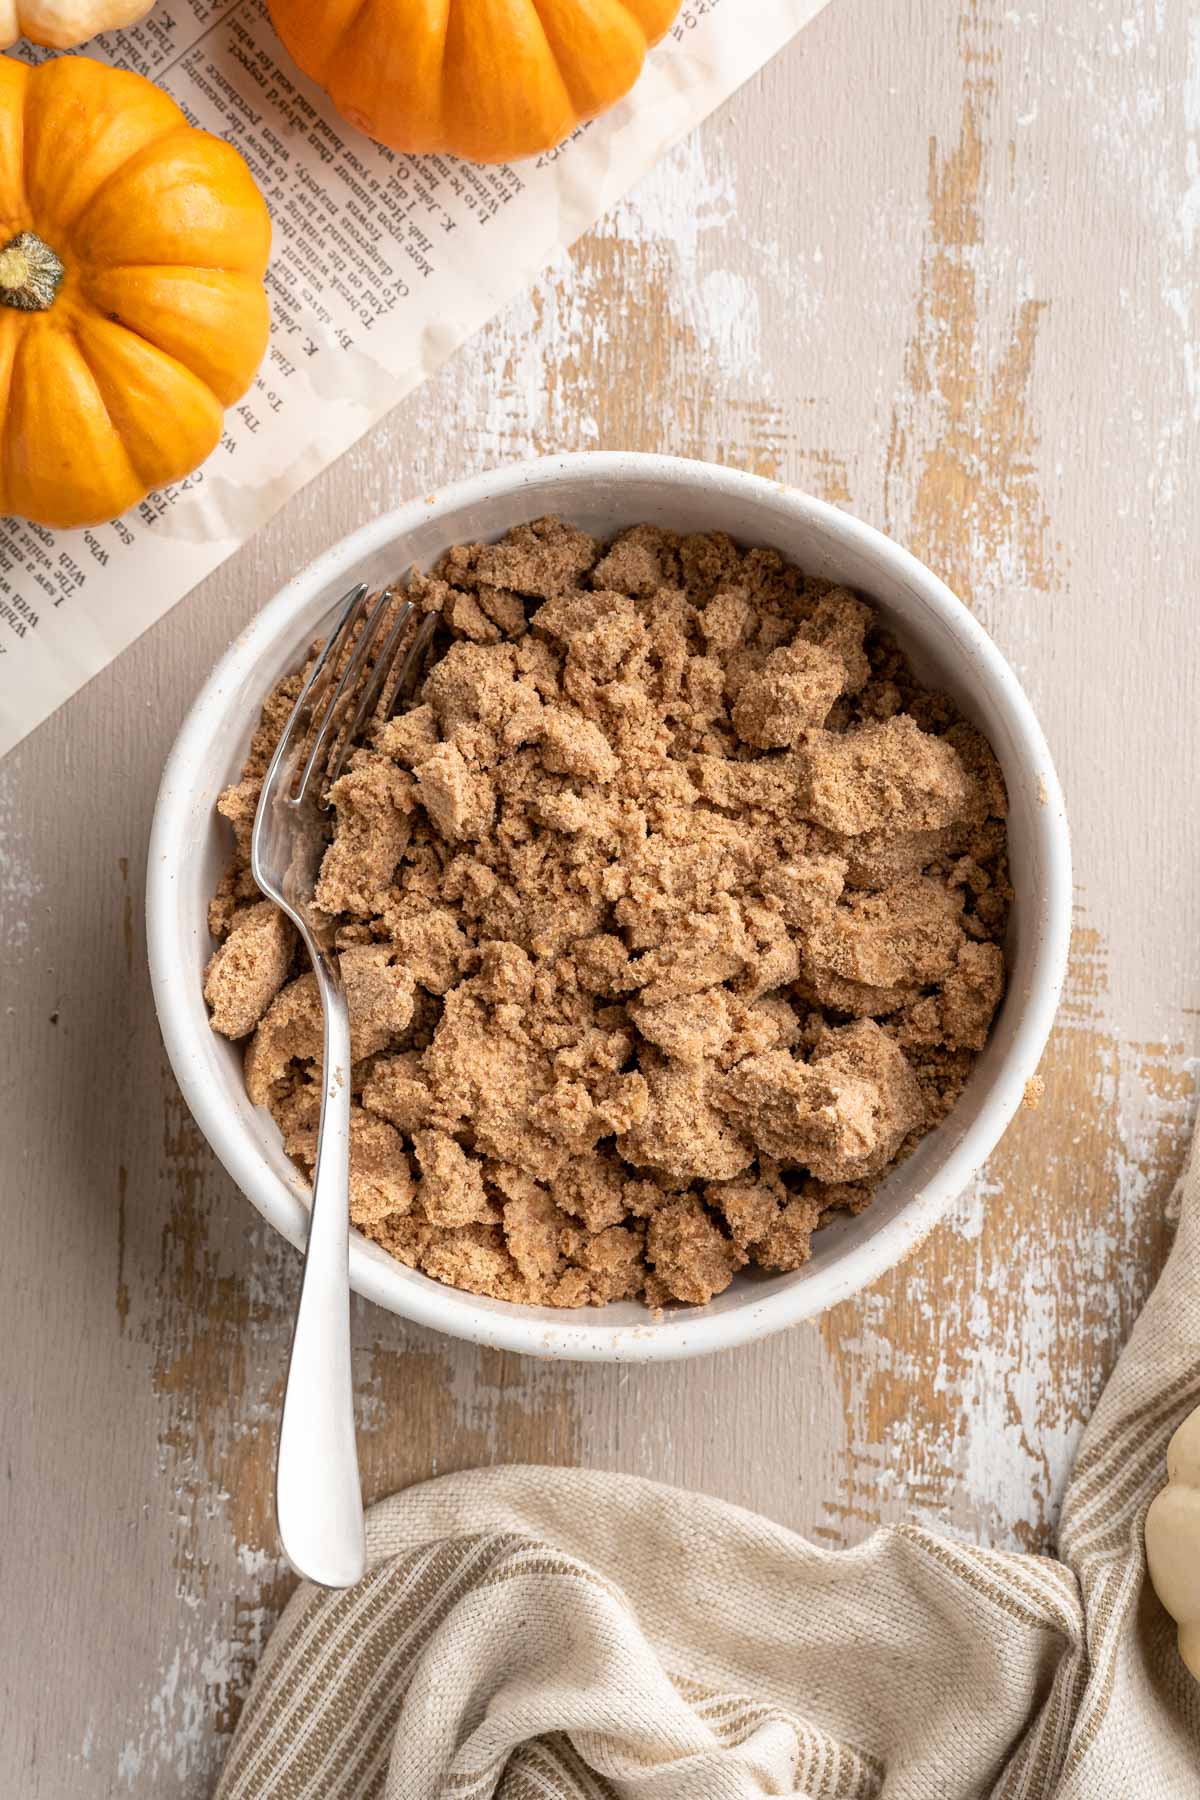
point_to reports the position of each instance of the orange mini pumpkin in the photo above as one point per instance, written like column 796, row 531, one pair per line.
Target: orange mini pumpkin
column 486, row 79
column 132, row 309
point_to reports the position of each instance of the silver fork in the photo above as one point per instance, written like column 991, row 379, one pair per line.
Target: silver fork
column 318, row 1502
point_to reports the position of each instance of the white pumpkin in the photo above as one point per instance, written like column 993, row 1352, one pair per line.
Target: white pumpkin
column 1173, row 1539
column 61, row 24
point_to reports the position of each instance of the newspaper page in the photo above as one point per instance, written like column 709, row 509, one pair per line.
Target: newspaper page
column 382, row 265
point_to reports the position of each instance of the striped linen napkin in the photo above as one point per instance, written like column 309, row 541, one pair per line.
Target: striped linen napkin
column 554, row 1634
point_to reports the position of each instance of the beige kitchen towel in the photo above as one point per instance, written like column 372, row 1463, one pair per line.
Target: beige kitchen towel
column 554, row 1634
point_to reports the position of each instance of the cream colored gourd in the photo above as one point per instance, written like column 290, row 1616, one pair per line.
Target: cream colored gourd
column 1173, row 1539
column 61, row 24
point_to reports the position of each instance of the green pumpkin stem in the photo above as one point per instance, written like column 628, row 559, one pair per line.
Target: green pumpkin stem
column 30, row 273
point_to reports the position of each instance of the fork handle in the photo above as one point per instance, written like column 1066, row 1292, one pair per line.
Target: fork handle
column 318, row 1501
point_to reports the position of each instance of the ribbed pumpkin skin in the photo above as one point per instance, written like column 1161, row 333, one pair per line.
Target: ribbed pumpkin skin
column 160, row 320
column 490, row 80
column 60, row 24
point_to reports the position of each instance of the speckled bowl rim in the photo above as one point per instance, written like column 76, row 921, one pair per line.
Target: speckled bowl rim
column 178, row 941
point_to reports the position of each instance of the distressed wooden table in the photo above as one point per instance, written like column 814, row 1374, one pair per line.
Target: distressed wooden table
column 938, row 266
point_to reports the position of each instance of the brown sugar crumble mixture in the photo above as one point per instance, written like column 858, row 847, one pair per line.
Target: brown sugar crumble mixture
column 669, row 913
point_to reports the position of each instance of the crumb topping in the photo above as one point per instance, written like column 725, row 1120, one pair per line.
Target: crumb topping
column 669, row 912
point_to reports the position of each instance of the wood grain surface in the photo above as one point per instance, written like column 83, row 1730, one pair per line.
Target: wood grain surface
column 937, row 264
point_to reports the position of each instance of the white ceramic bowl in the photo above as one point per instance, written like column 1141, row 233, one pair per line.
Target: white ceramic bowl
column 602, row 493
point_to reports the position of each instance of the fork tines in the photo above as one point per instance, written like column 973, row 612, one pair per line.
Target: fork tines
column 344, row 685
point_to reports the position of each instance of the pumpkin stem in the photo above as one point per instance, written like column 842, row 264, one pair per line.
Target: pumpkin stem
column 29, row 273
